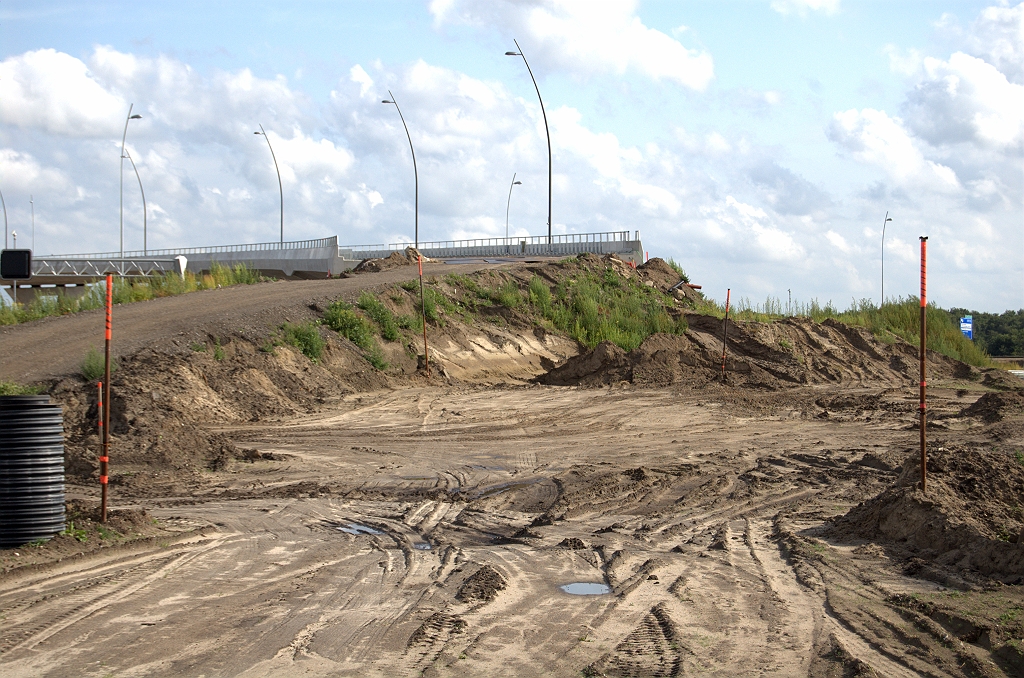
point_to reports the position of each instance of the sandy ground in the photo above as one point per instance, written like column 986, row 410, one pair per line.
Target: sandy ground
column 328, row 519
column 471, row 508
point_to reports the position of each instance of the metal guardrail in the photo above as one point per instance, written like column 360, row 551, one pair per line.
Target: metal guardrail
column 79, row 267
column 215, row 249
column 566, row 244
column 513, row 242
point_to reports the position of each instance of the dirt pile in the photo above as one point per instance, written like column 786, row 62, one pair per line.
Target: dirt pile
column 993, row 407
column 394, row 260
column 970, row 520
column 483, row 585
column 772, row 355
column 165, row 401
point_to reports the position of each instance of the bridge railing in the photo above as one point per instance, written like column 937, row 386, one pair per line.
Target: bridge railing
column 564, row 243
column 214, row 249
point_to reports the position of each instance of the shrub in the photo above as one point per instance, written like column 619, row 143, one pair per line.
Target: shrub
column 381, row 315
column 429, row 305
column 409, row 322
column 305, row 337
column 93, row 365
column 508, row 294
column 679, row 269
column 593, row 308
column 410, row 285
column 341, row 318
column 12, row 388
column 540, row 296
column 128, row 290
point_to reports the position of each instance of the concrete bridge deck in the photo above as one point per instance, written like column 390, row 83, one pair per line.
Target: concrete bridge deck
column 318, row 258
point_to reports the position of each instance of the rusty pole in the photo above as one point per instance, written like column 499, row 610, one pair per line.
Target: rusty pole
column 725, row 330
column 923, row 342
column 105, row 458
column 99, row 410
column 423, row 312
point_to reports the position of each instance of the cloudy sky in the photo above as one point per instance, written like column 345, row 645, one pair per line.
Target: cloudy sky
column 759, row 143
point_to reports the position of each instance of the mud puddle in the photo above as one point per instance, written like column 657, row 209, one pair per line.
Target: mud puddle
column 586, row 588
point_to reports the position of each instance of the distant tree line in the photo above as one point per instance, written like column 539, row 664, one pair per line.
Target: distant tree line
column 998, row 334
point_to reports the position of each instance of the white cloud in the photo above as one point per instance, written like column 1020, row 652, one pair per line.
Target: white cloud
column 362, row 78
column 967, row 99
column 838, row 241
column 803, row 7
column 56, row 92
column 875, row 138
column 575, row 35
column 997, row 36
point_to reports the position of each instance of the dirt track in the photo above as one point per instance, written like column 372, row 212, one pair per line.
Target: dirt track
column 54, row 347
column 466, row 507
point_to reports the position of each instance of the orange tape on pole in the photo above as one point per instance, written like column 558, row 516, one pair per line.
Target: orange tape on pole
column 110, row 301
column 924, row 271
column 420, row 262
column 103, row 480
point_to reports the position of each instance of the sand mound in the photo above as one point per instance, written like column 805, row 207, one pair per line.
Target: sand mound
column 761, row 355
column 970, row 520
column 482, row 585
column 993, row 407
column 393, row 260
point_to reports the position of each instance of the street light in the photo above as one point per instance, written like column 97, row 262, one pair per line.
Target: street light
column 123, row 138
column 546, row 130
column 145, row 247
column 280, row 187
column 887, row 220
column 32, row 204
column 415, row 172
column 514, row 183
column 2, row 202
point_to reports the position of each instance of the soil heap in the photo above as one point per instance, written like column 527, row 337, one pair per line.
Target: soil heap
column 970, row 521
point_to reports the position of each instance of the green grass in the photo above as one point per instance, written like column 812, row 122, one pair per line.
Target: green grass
column 540, row 296
column 900, row 318
column 508, row 295
column 410, row 285
column 594, row 307
column 679, row 269
column 78, row 534
column 381, row 315
column 12, row 388
column 127, row 291
column 305, row 337
column 343, row 319
column 93, row 365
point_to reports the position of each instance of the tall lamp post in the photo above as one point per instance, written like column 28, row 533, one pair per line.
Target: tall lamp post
column 123, row 138
column 2, row 202
column 509, row 204
column 887, row 220
column 280, row 187
column 546, row 129
column 145, row 246
column 415, row 172
column 32, row 205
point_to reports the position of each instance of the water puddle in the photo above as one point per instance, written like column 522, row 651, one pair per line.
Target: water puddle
column 422, row 546
column 357, row 529
column 586, row 588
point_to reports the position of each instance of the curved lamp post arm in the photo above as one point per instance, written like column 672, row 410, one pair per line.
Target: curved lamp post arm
column 509, row 204
column 887, row 220
column 2, row 202
column 124, row 136
column 547, row 130
column 280, row 186
column 415, row 172
column 145, row 225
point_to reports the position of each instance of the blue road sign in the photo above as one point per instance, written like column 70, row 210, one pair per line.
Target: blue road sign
column 967, row 326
